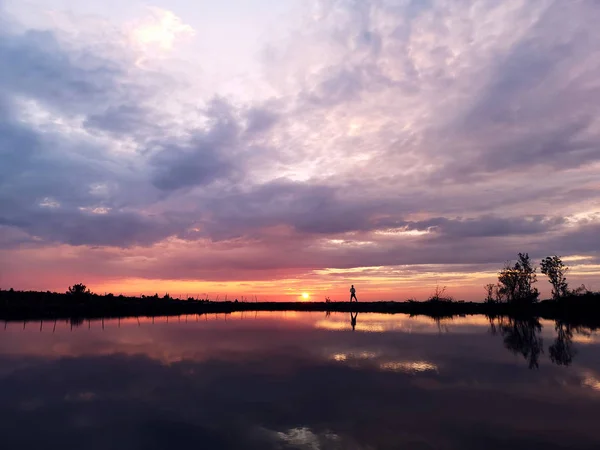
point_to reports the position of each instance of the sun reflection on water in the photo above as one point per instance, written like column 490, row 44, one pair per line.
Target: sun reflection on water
column 591, row 381
column 341, row 357
column 409, row 366
column 403, row 366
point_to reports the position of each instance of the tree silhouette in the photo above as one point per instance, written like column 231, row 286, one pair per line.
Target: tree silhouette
column 555, row 270
column 491, row 293
column 515, row 282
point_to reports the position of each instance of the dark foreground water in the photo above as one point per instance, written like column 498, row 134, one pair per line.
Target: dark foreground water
column 299, row 381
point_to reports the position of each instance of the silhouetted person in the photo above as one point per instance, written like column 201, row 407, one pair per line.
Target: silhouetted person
column 353, row 293
column 353, row 316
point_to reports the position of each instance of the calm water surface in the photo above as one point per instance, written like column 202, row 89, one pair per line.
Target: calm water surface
column 299, row 381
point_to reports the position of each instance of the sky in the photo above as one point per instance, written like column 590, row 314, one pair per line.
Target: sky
column 265, row 149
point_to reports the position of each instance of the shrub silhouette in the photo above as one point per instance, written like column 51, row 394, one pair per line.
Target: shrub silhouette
column 439, row 295
column 582, row 291
column 78, row 290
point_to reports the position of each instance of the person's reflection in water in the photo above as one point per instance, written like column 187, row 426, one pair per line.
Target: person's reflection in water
column 562, row 351
column 353, row 316
column 523, row 336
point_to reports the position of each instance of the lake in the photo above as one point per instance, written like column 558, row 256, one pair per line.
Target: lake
column 299, row 381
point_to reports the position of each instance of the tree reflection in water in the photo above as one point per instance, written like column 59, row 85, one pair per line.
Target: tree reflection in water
column 562, row 351
column 521, row 336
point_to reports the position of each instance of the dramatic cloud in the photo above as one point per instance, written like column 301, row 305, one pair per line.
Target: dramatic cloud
column 367, row 136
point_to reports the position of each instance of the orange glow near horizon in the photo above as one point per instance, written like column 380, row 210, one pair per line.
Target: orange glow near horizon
column 285, row 290
column 59, row 267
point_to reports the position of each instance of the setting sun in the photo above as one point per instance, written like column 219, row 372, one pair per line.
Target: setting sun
column 305, row 296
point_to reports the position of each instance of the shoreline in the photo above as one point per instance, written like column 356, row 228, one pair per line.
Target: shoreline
column 583, row 310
